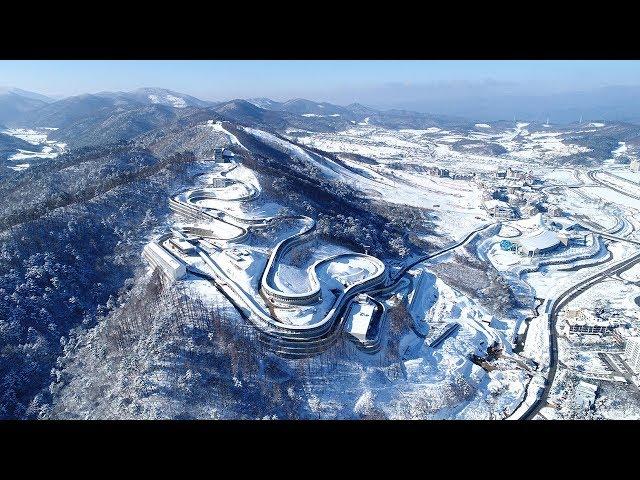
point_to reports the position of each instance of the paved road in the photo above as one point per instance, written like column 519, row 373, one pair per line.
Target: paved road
column 614, row 237
column 592, row 176
column 566, row 297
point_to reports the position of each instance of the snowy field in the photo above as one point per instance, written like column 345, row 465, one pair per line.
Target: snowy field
column 560, row 176
column 455, row 203
column 402, row 156
column 626, row 174
column 610, row 196
column 435, row 145
column 291, row 276
column 617, row 295
column 586, row 202
column 431, row 383
column 43, row 148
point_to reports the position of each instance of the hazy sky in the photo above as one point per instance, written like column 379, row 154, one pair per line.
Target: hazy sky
column 378, row 83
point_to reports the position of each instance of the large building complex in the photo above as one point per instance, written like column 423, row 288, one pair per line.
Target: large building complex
column 538, row 242
column 223, row 155
column 587, row 322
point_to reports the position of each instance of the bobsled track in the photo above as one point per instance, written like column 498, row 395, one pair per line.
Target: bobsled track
column 286, row 339
column 369, row 274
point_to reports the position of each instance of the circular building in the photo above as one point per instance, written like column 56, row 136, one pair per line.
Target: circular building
column 538, row 242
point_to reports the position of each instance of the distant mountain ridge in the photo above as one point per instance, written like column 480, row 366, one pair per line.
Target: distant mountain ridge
column 302, row 106
column 105, row 117
column 116, row 116
column 112, row 117
column 159, row 96
column 14, row 103
column 612, row 103
column 26, row 94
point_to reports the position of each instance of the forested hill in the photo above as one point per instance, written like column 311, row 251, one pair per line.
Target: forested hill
column 75, row 177
column 72, row 234
column 9, row 145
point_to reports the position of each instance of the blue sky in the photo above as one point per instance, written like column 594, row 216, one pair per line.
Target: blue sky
column 372, row 82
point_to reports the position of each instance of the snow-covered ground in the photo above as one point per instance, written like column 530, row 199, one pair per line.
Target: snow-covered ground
column 455, row 203
column 217, row 127
column 618, row 295
column 20, row 166
column 176, row 102
column 627, row 174
column 435, row 383
column 586, row 202
column 400, row 159
column 43, row 147
column 560, row 176
column 434, row 144
column 442, row 381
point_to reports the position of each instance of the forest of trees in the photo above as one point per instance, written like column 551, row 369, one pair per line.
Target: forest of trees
column 170, row 352
column 64, row 257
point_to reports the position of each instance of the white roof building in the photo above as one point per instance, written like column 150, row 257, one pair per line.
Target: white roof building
column 237, row 254
column 157, row 256
column 533, row 222
column 221, row 154
column 538, row 242
column 360, row 316
column 182, row 245
column 498, row 208
column 554, row 211
column 495, row 203
column 564, row 223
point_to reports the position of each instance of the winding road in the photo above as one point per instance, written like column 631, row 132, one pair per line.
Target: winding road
column 553, row 309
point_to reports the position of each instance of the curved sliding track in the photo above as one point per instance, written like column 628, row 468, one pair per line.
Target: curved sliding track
column 292, row 340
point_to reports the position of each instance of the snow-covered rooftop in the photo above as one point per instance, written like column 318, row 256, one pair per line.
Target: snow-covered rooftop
column 565, row 223
column 540, row 239
column 535, row 221
column 361, row 315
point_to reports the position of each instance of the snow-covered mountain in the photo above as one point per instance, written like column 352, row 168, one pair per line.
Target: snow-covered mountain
column 302, row 106
column 309, row 107
column 163, row 96
column 15, row 102
column 266, row 103
column 86, row 308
